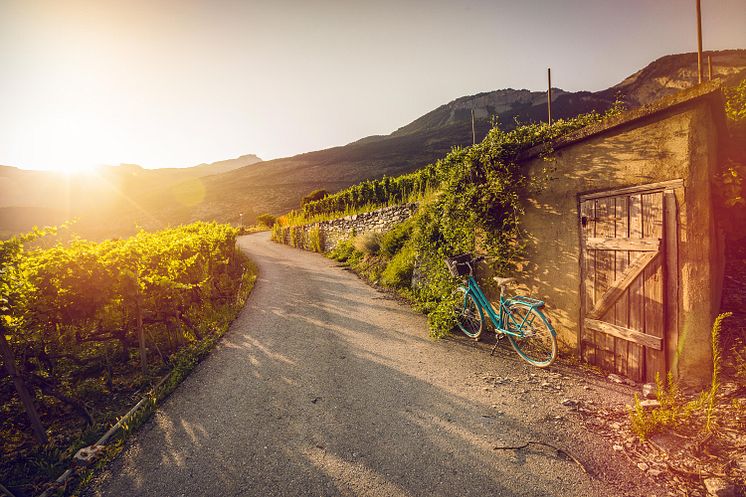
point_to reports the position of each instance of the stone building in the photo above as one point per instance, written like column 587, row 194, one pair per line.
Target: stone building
column 624, row 241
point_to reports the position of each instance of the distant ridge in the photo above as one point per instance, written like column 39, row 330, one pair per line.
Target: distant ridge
column 244, row 187
column 223, row 166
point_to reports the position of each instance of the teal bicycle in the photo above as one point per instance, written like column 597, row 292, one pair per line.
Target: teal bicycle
column 519, row 318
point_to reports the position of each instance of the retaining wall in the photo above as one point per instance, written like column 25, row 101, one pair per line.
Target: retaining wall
column 325, row 235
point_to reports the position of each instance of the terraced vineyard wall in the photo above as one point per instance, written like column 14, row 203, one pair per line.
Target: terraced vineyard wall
column 325, row 235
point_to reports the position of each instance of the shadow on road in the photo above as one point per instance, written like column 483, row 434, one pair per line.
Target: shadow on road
column 322, row 389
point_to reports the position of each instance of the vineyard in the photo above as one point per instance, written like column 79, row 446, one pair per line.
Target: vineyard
column 376, row 193
column 86, row 327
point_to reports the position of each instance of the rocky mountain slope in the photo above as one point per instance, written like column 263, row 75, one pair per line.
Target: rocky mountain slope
column 276, row 186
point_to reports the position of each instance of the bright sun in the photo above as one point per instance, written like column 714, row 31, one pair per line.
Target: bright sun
column 74, row 169
column 73, row 145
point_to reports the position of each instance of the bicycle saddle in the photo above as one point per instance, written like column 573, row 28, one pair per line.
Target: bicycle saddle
column 503, row 281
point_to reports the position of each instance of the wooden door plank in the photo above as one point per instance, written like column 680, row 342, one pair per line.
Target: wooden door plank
column 638, row 337
column 615, row 290
column 671, row 238
column 582, row 223
column 652, row 218
column 624, row 243
column 604, row 275
column 621, row 307
column 634, row 190
column 635, row 356
column 588, row 211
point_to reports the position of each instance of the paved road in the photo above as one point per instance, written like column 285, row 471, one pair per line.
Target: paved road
column 324, row 386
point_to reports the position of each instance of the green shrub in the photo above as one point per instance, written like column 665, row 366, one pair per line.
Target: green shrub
column 398, row 272
column 344, row 251
column 368, row 243
column 313, row 197
column 316, row 239
column 297, row 237
column 717, row 360
column 267, row 220
column 279, row 233
column 393, row 240
column 671, row 413
column 735, row 102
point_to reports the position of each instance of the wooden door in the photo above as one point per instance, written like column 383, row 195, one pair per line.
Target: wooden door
column 624, row 323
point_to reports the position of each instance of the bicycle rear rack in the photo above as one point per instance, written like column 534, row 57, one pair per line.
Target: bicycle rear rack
column 532, row 302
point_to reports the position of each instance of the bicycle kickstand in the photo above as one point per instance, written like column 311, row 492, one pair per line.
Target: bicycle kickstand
column 499, row 337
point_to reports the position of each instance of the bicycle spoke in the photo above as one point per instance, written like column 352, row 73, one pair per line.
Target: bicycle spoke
column 535, row 341
column 468, row 315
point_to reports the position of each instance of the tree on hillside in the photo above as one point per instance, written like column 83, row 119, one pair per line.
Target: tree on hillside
column 267, row 220
column 313, row 196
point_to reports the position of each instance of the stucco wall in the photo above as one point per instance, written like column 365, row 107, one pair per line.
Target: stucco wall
column 679, row 143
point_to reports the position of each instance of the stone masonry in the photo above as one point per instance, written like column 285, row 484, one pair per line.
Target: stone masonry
column 381, row 220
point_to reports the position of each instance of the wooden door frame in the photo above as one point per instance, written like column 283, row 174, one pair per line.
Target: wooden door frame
column 669, row 246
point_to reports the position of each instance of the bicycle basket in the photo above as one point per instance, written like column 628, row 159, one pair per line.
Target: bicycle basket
column 458, row 265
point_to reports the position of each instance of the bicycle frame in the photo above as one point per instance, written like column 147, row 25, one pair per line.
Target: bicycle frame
column 498, row 320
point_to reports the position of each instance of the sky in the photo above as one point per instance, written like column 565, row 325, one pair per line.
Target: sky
column 175, row 83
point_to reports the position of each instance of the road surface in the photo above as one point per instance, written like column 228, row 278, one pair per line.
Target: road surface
column 324, row 386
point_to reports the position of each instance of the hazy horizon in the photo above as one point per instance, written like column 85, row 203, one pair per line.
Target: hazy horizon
column 176, row 84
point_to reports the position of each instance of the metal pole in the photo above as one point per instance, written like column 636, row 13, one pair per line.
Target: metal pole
column 700, row 72
column 549, row 94
column 473, row 131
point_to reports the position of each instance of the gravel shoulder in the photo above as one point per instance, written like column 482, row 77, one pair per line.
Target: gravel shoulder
column 324, row 386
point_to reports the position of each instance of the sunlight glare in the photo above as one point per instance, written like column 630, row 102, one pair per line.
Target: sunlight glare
column 73, row 145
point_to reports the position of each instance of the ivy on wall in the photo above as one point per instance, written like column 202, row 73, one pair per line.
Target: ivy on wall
column 470, row 201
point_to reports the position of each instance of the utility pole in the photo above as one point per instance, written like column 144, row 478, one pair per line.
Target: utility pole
column 700, row 72
column 549, row 95
column 473, row 130
column 709, row 68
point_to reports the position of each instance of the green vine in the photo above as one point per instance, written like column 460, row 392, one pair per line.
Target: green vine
column 469, row 201
column 478, row 208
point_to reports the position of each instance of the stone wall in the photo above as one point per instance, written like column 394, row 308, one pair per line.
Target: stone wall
column 324, row 236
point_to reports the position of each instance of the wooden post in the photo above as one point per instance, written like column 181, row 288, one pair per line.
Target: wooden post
column 709, row 68
column 549, row 95
column 28, row 401
column 700, row 69
column 473, row 130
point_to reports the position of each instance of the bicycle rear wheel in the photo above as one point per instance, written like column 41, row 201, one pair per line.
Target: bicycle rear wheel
column 536, row 341
column 469, row 316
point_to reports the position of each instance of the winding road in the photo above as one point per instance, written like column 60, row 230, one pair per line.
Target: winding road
column 324, row 386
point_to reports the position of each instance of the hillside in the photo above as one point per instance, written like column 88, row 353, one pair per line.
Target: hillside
column 104, row 202
column 225, row 190
column 275, row 186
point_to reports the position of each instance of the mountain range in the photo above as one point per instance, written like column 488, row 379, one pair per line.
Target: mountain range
column 119, row 198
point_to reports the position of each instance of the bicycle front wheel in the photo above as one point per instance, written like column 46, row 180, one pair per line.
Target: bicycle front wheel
column 469, row 315
column 535, row 339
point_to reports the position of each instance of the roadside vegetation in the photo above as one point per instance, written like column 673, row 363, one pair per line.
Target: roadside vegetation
column 468, row 201
column 471, row 201
column 88, row 328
